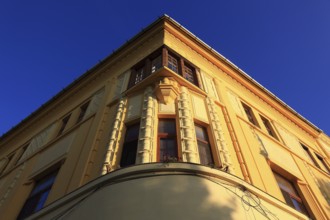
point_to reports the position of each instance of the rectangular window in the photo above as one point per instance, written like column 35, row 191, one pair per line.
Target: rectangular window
column 204, row 147
column 322, row 164
column 38, row 196
column 82, row 113
column 128, row 155
column 249, row 113
column 309, row 155
column 167, row 140
column 172, row 63
column 63, row 125
column 156, row 64
column 290, row 194
column 189, row 74
column 268, row 127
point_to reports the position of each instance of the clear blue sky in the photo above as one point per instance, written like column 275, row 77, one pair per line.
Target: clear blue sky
column 45, row 45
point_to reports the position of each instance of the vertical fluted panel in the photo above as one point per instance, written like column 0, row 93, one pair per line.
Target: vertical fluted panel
column 219, row 136
column 114, row 136
column 146, row 145
column 186, row 124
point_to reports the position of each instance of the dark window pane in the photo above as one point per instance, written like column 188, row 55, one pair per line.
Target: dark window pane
column 132, row 132
column 82, row 113
column 172, row 63
column 156, row 64
column 38, row 196
column 128, row 155
column 167, row 126
column 168, row 149
column 249, row 114
column 188, row 74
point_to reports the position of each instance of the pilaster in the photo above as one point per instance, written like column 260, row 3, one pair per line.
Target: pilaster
column 119, row 120
column 147, row 124
column 186, row 126
column 219, row 135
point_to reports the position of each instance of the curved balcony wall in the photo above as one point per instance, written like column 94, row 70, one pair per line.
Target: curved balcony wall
column 168, row 191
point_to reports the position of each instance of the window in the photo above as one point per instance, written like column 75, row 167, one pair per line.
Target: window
column 172, row 63
column 250, row 115
column 156, row 63
column 162, row 57
column 309, row 155
column 128, row 154
column 290, row 193
column 82, row 113
column 189, row 74
column 38, row 196
column 167, row 140
column 269, row 127
column 63, row 125
column 322, row 164
column 204, row 148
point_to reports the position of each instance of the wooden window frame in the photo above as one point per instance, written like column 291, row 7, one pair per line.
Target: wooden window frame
column 166, row 135
column 207, row 142
column 289, row 196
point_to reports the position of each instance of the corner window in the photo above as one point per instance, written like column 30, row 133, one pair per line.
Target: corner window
column 172, row 63
column 268, row 127
column 156, row 63
column 38, row 196
column 167, row 145
column 162, row 57
column 128, row 155
column 82, row 113
column 322, row 164
column 204, row 148
column 290, row 193
column 249, row 113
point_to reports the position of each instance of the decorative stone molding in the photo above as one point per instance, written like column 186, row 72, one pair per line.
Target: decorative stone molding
column 146, row 134
column 167, row 90
column 186, row 123
column 220, row 142
column 12, row 185
column 111, row 146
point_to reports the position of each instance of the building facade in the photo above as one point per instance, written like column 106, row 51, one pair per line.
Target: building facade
column 165, row 128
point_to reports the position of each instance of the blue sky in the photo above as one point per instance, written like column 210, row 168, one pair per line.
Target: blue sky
column 45, row 45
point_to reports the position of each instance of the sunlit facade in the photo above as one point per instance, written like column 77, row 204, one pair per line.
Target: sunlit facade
column 165, row 128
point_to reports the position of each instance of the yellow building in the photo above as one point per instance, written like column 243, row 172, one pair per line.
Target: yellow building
column 165, row 128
